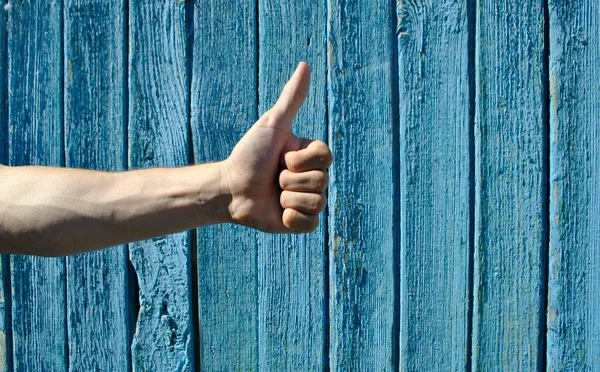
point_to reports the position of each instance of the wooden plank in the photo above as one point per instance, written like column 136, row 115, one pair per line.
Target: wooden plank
column 574, row 257
column 435, row 188
column 5, row 318
column 95, row 118
column 510, row 186
column 36, row 137
column 4, row 85
column 361, row 216
column 158, row 136
column 292, row 305
column 5, row 326
column 224, row 106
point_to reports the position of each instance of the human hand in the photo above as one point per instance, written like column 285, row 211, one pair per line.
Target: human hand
column 276, row 179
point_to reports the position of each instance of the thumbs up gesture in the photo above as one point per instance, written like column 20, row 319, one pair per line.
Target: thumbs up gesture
column 276, row 180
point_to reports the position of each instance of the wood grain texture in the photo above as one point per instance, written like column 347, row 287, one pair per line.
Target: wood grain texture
column 95, row 117
column 158, row 136
column 5, row 318
column 36, row 137
column 3, row 86
column 361, row 215
column 574, row 256
column 224, row 106
column 291, row 268
column 433, row 54
column 509, row 209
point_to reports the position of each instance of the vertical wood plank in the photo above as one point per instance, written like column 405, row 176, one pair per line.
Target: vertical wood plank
column 434, row 96
column 574, row 257
column 361, row 218
column 291, row 268
column 5, row 318
column 224, row 106
column 4, row 84
column 158, row 136
column 510, row 197
column 95, row 117
column 36, row 137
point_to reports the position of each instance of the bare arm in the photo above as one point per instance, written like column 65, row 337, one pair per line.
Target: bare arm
column 55, row 211
column 272, row 181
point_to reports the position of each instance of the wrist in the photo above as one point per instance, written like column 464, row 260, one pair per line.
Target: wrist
column 227, row 185
column 212, row 195
column 239, row 202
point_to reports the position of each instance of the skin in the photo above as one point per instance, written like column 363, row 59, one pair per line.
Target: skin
column 272, row 181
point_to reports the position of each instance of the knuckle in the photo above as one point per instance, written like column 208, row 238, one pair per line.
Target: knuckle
column 327, row 158
column 318, row 204
column 314, row 205
column 323, row 148
column 272, row 117
column 291, row 162
column 319, row 144
column 322, row 152
column 320, row 181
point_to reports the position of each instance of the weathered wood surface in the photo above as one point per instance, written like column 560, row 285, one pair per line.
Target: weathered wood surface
column 292, row 303
column 574, row 256
column 5, row 328
column 361, row 60
column 95, row 131
column 224, row 106
column 36, row 137
column 510, row 204
column 159, row 136
column 3, row 87
column 435, row 187
column 441, row 150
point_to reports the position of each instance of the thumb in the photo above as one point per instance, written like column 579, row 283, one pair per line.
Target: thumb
column 293, row 94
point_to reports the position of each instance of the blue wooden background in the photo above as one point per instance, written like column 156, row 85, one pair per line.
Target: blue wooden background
column 463, row 225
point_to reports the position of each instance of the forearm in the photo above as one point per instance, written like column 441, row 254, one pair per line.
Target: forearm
column 56, row 211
